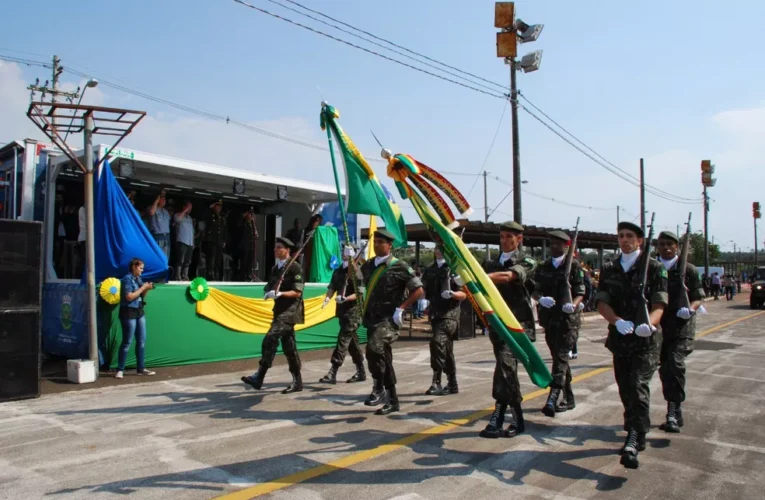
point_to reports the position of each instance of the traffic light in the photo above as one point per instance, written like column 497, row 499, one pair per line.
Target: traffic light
column 756, row 210
column 707, row 169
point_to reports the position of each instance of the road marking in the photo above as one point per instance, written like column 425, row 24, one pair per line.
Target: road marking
column 384, row 449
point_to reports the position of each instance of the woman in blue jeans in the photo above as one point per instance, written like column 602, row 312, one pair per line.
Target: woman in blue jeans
column 133, row 291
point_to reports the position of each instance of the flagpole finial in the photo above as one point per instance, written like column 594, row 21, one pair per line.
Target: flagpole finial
column 324, row 104
column 386, row 153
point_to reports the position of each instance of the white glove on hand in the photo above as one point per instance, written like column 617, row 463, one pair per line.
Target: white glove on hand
column 326, row 301
column 398, row 317
column 625, row 327
column 348, row 252
column 580, row 307
column 271, row 295
column 644, row 330
column 458, row 281
column 447, row 294
column 569, row 308
column 546, row 302
column 685, row 313
column 340, row 299
column 701, row 310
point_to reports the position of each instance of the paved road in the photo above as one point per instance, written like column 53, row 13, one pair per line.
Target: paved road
column 208, row 437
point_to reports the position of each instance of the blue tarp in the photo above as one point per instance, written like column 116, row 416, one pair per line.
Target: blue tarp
column 121, row 235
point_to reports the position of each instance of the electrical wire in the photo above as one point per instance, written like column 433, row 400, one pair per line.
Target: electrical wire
column 491, row 147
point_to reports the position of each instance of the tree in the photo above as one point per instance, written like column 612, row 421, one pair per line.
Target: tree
column 696, row 253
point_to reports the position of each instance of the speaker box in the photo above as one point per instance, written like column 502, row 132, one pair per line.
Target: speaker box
column 20, row 264
column 19, row 331
column 19, row 377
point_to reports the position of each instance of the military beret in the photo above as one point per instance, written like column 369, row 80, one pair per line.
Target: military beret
column 631, row 227
column 216, row 202
column 669, row 235
column 559, row 235
column 285, row 241
column 382, row 233
column 511, row 226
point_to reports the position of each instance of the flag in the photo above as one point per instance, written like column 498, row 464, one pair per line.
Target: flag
column 370, row 252
column 363, row 192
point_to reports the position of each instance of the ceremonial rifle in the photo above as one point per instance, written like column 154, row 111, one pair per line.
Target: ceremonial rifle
column 643, row 313
column 292, row 259
column 684, row 300
column 567, row 298
column 355, row 259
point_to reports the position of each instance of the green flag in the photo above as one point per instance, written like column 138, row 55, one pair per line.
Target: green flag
column 363, row 192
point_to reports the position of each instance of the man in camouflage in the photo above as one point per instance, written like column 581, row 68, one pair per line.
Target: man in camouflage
column 635, row 348
column 678, row 327
column 444, row 296
column 387, row 281
column 288, row 311
column 348, row 313
column 511, row 273
column 559, row 318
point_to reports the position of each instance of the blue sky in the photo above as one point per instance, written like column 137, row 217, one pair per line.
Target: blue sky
column 673, row 82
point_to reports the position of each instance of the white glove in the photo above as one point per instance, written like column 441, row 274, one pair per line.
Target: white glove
column 569, row 308
column 359, row 274
column 458, row 281
column 685, row 313
column 398, row 317
column 580, row 307
column 644, row 330
column 546, row 302
column 625, row 327
column 701, row 310
column 326, row 301
column 447, row 294
column 270, row 295
column 340, row 299
column 348, row 252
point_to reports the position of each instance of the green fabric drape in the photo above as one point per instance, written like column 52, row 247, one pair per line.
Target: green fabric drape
column 326, row 244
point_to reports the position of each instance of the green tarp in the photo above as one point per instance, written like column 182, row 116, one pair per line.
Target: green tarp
column 325, row 246
column 177, row 336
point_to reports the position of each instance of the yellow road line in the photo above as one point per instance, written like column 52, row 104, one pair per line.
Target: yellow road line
column 384, row 449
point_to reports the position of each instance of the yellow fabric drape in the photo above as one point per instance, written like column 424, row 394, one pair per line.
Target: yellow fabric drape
column 370, row 246
column 247, row 315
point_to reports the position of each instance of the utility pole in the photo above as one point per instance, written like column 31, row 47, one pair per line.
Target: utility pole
column 755, row 215
column 642, row 196
column 707, row 169
column 486, row 210
column 514, row 31
column 618, row 210
column 90, row 237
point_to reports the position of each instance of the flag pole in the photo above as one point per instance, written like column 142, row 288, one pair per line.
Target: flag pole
column 334, row 170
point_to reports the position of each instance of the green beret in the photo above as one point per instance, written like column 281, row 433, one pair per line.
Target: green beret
column 669, row 235
column 559, row 235
column 631, row 227
column 382, row 233
column 511, row 226
column 285, row 241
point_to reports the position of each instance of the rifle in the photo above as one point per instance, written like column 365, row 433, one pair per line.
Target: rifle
column 355, row 259
column 292, row 260
column 684, row 300
column 643, row 315
column 567, row 298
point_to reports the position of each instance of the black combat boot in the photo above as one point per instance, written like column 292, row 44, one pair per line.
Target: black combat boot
column 679, row 413
column 379, row 395
column 451, row 386
column 296, row 385
column 359, row 376
column 552, row 401
column 494, row 428
column 435, row 386
column 568, row 402
column 392, row 405
column 331, row 376
column 517, row 424
column 630, row 450
column 671, row 425
column 256, row 381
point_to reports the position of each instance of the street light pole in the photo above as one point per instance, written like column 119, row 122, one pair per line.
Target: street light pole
column 517, row 211
column 90, row 241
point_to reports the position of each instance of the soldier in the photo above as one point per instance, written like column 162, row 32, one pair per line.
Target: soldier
column 444, row 296
column 560, row 320
column 635, row 348
column 248, row 245
column 678, row 327
column 511, row 272
column 387, row 280
column 288, row 311
column 215, row 240
column 349, row 314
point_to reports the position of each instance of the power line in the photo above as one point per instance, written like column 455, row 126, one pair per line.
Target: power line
column 491, row 147
column 318, row 32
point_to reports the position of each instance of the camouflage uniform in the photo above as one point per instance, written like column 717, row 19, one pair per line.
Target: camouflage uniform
column 385, row 298
column 349, row 315
column 635, row 358
column 214, row 240
column 560, row 328
column 506, row 388
column 444, row 320
column 287, row 313
column 678, row 334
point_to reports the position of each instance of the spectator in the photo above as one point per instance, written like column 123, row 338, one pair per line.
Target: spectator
column 159, row 223
column 184, row 244
column 716, row 286
column 133, row 293
column 730, row 285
